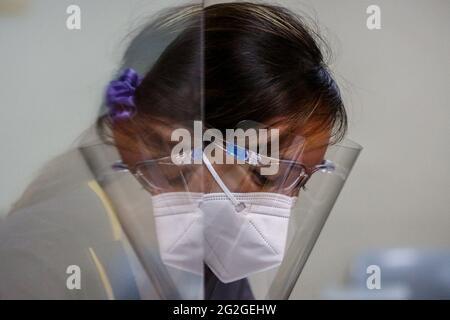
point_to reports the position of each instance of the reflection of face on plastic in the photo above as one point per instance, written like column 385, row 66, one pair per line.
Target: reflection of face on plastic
column 150, row 162
column 175, row 190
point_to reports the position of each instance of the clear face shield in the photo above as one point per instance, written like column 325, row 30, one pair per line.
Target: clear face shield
column 238, row 211
column 267, row 204
column 242, row 223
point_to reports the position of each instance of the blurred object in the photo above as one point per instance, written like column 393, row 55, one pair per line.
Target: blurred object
column 404, row 274
column 12, row 7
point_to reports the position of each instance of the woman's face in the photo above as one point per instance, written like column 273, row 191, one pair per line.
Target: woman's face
column 163, row 176
column 149, row 157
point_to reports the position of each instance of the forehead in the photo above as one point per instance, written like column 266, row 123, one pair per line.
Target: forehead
column 309, row 151
column 150, row 139
column 306, row 144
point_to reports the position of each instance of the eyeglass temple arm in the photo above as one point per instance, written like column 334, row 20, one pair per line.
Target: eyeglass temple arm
column 120, row 166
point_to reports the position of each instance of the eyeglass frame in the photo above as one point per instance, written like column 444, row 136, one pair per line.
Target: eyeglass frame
column 325, row 166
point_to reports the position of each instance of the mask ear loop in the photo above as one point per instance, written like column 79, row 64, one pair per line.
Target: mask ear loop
column 239, row 206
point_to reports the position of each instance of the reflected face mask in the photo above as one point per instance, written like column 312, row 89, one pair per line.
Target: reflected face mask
column 179, row 230
column 239, row 242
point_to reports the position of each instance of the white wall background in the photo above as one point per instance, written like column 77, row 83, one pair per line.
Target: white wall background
column 395, row 81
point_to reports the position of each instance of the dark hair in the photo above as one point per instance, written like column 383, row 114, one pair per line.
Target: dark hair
column 232, row 62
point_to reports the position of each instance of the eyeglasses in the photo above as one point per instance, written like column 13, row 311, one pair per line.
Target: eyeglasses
column 164, row 175
column 290, row 174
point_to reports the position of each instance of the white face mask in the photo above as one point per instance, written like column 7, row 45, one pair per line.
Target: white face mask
column 235, row 234
column 238, row 244
column 244, row 233
column 179, row 230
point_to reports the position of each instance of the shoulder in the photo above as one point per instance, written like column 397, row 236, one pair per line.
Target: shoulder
column 62, row 219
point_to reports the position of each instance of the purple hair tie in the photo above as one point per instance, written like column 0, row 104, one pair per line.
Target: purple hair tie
column 120, row 95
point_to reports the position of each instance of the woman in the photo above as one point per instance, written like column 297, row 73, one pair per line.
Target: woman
column 228, row 66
